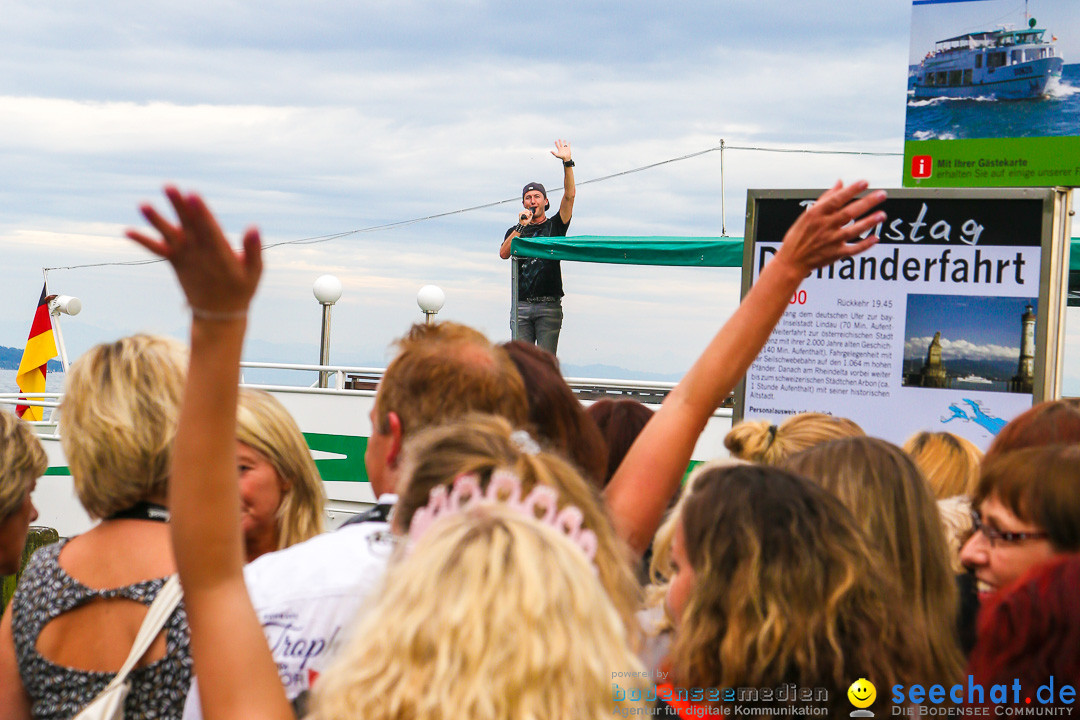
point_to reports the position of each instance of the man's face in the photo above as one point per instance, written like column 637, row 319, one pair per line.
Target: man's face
column 375, row 458
column 534, row 200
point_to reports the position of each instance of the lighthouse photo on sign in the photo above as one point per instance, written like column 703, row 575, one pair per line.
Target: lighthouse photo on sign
column 966, row 342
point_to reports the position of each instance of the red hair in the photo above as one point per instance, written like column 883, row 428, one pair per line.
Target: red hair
column 555, row 412
column 1054, row 422
column 620, row 422
column 1030, row 631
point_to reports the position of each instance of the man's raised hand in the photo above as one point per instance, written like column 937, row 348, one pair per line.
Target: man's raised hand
column 562, row 150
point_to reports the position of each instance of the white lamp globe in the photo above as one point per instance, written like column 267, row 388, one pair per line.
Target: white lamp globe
column 327, row 289
column 431, row 298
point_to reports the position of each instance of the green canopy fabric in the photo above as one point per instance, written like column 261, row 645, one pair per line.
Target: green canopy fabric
column 657, row 250
column 651, row 250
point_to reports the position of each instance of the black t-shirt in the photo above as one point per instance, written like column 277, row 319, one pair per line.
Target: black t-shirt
column 540, row 278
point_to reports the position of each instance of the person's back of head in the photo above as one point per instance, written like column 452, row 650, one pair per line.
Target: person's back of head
column 118, row 418
column 22, row 461
column 492, row 615
column 620, row 422
column 444, row 371
column 481, row 445
column 786, row 589
column 1052, row 422
column 555, row 411
column 949, row 462
column 763, row 442
column 892, row 502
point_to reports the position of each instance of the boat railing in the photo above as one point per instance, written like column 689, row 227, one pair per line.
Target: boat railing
column 359, row 380
column 45, row 428
column 364, row 380
column 343, row 377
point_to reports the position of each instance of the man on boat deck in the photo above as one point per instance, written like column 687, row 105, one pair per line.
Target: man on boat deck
column 539, row 308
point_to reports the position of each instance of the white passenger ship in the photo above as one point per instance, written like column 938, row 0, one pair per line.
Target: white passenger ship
column 1003, row 64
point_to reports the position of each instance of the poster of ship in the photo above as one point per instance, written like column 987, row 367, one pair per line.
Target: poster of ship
column 993, row 94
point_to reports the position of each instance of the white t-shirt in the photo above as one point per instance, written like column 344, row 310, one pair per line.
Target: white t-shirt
column 307, row 597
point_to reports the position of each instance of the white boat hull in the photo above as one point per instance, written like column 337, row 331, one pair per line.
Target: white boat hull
column 1023, row 81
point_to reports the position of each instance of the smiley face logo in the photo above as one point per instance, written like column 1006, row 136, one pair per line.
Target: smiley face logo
column 862, row 693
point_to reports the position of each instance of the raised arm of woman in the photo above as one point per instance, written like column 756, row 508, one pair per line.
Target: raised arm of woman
column 237, row 676
column 650, row 473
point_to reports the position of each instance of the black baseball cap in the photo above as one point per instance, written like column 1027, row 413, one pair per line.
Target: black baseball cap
column 536, row 186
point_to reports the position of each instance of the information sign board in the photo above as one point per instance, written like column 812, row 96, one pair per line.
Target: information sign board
column 945, row 324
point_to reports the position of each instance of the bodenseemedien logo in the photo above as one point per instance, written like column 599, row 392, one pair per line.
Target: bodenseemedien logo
column 862, row 695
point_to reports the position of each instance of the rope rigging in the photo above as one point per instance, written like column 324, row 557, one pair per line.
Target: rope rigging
column 317, row 239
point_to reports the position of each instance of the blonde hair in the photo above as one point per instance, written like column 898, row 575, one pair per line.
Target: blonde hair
column 949, row 462
column 957, row 523
column 22, row 461
column 263, row 424
column 762, row 442
column 118, row 418
column 660, row 571
column 481, row 444
column 890, row 499
column 787, row 590
column 491, row 616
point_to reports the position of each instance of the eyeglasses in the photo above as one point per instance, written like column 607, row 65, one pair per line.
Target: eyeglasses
column 994, row 535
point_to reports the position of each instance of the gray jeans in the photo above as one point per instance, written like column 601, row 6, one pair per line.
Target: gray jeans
column 540, row 323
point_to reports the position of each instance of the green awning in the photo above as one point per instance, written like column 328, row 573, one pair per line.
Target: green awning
column 651, row 250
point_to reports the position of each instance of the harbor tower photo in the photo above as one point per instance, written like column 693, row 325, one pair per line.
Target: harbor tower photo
column 964, row 342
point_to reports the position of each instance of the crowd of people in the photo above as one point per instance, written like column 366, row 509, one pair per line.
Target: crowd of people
column 527, row 558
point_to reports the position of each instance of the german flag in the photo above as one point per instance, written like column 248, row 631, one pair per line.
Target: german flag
column 40, row 348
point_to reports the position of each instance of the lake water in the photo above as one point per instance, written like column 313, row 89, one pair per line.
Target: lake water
column 53, row 382
column 982, row 117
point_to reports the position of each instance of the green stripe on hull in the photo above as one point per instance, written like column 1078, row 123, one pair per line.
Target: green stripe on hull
column 346, row 469
column 350, row 468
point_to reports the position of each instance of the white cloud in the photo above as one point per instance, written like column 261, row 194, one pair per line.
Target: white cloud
column 960, row 349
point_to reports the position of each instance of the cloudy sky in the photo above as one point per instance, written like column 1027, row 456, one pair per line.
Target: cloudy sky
column 324, row 117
